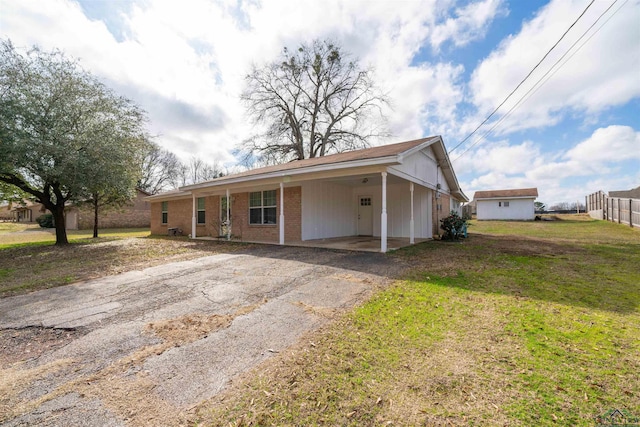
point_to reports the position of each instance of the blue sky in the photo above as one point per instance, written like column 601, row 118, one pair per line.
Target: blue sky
column 445, row 64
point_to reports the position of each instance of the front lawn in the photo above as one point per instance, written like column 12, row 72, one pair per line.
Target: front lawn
column 522, row 324
column 31, row 263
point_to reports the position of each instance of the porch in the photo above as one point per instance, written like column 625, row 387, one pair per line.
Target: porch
column 350, row 243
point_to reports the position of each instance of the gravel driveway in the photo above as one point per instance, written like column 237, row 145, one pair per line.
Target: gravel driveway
column 144, row 347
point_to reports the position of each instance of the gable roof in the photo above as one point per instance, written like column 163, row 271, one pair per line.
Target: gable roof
column 513, row 193
column 390, row 154
column 331, row 159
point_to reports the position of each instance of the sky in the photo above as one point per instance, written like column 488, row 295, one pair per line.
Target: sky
column 572, row 128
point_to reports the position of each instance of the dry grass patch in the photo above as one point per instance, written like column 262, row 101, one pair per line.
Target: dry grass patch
column 123, row 387
column 28, row 268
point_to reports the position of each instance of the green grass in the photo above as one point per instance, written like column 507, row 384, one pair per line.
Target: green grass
column 523, row 324
column 11, row 227
column 34, row 235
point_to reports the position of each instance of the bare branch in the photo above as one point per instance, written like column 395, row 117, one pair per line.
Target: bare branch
column 310, row 102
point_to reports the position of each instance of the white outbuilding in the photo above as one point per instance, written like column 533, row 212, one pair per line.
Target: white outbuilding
column 516, row 204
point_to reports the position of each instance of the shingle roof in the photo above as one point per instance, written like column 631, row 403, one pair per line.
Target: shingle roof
column 634, row 193
column 349, row 156
column 516, row 192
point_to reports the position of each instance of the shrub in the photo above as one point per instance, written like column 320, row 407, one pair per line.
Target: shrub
column 454, row 227
column 45, row 221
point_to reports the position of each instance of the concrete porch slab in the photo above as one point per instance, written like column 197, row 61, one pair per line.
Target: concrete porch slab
column 351, row 243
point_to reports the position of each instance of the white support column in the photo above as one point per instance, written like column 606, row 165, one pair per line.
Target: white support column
column 282, row 213
column 412, row 236
column 193, row 218
column 228, row 219
column 383, row 215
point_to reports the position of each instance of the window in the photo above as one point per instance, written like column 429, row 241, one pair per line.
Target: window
column 201, row 215
column 165, row 212
column 262, row 207
column 506, row 204
column 365, row 201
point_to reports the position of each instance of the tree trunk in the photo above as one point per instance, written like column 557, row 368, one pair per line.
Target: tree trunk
column 95, row 216
column 61, row 228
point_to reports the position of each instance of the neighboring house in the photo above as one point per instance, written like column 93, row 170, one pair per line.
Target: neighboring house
column 136, row 214
column 516, row 204
column 397, row 190
column 5, row 212
column 626, row 194
column 27, row 211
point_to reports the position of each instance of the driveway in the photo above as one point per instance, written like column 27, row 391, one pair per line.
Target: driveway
column 145, row 347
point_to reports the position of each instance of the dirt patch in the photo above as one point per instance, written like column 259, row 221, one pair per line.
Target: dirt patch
column 15, row 380
column 123, row 387
column 188, row 328
column 326, row 312
column 84, row 261
column 19, row 345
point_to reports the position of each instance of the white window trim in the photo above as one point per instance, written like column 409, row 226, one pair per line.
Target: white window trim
column 262, row 207
column 198, row 210
column 162, row 208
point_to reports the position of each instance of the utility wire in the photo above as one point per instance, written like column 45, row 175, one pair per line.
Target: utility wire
column 523, row 80
column 538, row 85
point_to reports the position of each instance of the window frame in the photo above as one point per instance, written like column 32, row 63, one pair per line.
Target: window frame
column 262, row 207
column 201, row 210
column 164, row 207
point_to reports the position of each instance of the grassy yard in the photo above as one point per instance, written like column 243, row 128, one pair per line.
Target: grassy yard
column 14, row 234
column 522, row 324
column 30, row 261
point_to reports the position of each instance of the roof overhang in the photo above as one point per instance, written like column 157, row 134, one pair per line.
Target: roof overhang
column 288, row 176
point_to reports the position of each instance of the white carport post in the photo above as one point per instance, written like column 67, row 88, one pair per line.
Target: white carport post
column 193, row 217
column 228, row 219
column 383, row 215
column 282, row 213
column 412, row 236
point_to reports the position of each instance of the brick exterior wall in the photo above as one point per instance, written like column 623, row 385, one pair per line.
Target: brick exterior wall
column 292, row 214
column 180, row 212
column 178, row 216
column 136, row 214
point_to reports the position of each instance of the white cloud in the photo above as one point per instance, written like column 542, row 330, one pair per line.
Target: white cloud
column 594, row 163
column 604, row 73
column 610, row 144
column 471, row 22
column 185, row 64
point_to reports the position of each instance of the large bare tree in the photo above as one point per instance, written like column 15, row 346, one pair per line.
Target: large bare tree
column 312, row 101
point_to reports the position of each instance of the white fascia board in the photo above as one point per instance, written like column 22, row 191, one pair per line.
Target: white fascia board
column 507, row 198
column 296, row 172
column 163, row 197
column 417, row 148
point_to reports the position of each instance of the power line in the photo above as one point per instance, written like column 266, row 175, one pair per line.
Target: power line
column 523, row 80
column 538, row 85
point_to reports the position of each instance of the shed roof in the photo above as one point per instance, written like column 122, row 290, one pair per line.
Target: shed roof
column 516, row 192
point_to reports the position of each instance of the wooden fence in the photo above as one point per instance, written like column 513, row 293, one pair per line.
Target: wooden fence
column 614, row 209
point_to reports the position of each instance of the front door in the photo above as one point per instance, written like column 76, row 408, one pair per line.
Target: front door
column 365, row 216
